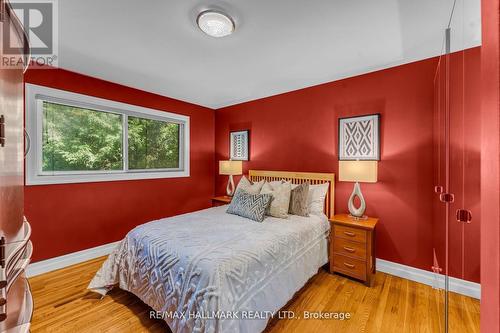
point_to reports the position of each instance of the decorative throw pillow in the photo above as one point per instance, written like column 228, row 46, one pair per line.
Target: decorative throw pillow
column 281, row 198
column 298, row 200
column 275, row 183
column 251, row 206
column 248, row 186
column 316, row 198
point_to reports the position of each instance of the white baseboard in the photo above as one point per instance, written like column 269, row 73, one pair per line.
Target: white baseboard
column 458, row 286
column 406, row 272
column 66, row 260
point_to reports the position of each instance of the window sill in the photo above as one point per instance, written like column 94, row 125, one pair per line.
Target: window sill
column 91, row 178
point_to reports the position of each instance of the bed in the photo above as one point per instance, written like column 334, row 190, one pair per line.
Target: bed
column 209, row 271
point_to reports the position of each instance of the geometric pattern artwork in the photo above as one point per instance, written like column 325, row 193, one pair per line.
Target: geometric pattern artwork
column 239, row 146
column 359, row 138
column 251, row 206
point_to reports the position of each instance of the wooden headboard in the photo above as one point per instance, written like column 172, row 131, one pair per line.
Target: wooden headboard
column 299, row 178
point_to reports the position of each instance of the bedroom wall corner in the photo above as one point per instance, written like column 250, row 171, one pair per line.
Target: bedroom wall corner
column 297, row 131
column 67, row 218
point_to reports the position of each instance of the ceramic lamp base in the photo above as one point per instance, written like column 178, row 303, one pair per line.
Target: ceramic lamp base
column 230, row 186
column 357, row 212
column 364, row 217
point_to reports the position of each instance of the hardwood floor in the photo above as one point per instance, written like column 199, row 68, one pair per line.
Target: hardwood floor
column 62, row 304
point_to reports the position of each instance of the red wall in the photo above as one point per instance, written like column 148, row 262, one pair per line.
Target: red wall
column 72, row 217
column 490, row 168
column 297, row 131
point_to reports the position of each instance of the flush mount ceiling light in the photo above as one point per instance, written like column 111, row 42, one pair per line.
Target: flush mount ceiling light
column 215, row 24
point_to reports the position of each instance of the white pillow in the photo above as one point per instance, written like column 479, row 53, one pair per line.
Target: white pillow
column 316, row 198
column 249, row 187
column 280, row 202
column 275, row 183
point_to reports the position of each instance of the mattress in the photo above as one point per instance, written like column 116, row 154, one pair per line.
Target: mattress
column 209, row 271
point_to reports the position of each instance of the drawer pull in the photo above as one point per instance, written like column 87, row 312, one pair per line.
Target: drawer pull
column 348, row 233
column 349, row 249
column 2, row 129
column 349, row 265
column 3, row 305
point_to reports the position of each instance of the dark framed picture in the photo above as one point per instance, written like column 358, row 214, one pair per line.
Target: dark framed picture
column 239, row 146
column 359, row 138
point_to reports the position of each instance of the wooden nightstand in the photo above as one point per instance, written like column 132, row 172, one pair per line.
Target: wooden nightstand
column 222, row 200
column 352, row 247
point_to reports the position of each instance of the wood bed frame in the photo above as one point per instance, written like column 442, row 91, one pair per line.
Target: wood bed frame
column 299, row 178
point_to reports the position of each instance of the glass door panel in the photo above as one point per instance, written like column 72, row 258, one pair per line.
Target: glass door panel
column 457, row 177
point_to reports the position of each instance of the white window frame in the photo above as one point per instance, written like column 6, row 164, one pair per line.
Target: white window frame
column 34, row 97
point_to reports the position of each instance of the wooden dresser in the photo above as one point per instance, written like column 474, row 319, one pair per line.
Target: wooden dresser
column 16, row 303
column 352, row 247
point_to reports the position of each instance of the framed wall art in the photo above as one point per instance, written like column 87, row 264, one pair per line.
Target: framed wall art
column 239, row 146
column 359, row 138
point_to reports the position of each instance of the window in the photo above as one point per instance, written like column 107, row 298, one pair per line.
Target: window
column 77, row 138
column 152, row 144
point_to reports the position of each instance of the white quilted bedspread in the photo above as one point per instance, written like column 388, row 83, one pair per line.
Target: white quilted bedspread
column 202, row 268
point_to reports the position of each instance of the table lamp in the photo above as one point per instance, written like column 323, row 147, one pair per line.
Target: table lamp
column 357, row 171
column 230, row 168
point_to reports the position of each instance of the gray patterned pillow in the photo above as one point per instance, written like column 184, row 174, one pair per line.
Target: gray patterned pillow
column 298, row 200
column 251, row 206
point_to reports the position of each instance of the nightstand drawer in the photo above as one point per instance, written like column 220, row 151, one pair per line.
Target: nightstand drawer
column 357, row 235
column 351, row 267
column 352, row 247
column 349, row 248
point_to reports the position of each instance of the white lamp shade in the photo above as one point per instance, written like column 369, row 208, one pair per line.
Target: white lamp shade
column 230, row 168
column 358, row 171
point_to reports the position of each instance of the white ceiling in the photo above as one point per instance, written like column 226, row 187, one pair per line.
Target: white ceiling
column 278, row 45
